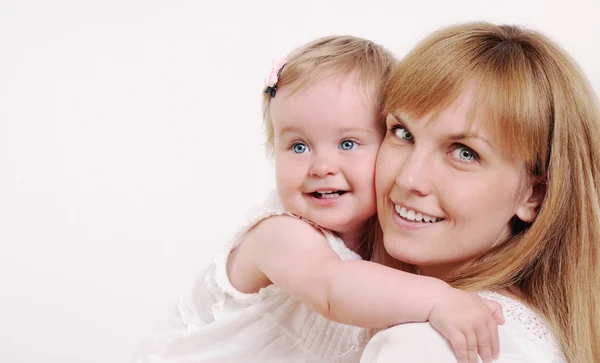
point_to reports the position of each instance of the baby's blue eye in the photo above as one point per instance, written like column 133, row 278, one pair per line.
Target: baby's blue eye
column 299, row 148
column 347, row 145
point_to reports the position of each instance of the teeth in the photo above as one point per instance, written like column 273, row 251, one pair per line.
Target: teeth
column 411, row 215
column 403, row 212
column 328, row 194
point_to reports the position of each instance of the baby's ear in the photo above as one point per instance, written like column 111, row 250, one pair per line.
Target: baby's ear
column 531, row 202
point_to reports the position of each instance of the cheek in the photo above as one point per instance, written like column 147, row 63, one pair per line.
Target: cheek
column 484, row 203
column 288, row 171
column 385, row 171
column 365, row 169
column 360, row 166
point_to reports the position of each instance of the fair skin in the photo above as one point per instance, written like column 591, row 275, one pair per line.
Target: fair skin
column 325, row 147
column 326, row 142
column 459, row 178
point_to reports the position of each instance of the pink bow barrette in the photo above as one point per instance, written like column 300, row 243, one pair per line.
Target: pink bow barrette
column 273, row 77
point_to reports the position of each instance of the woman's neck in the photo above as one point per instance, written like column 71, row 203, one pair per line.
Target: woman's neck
column 441, row 271
column 355, row 240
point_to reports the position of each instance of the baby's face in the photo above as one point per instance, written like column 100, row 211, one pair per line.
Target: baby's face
column 325, row 145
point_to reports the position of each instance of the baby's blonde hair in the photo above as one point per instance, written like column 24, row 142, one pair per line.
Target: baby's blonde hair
column 540, row 105
column 333, row 56
column 337, row 56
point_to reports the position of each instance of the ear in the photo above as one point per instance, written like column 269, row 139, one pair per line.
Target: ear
column 528, row 209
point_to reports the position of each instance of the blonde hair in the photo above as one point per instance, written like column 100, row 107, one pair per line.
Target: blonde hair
column 333, row 56
column 541, row 106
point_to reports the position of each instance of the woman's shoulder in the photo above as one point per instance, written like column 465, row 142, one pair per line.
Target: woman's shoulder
column 411, row 342
column 525, row 337
column 524, row 321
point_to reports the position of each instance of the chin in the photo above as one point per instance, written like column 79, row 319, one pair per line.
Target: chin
column 344, row 225
column 337, row 226
column 403, row 252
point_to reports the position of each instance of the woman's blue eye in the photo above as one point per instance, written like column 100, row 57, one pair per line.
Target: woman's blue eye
column 463, row 153
column 403, row 133
column 299, row 148
column 347, row 145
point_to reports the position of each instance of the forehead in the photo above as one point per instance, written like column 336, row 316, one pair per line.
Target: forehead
column 330, row 102
column 460, row 117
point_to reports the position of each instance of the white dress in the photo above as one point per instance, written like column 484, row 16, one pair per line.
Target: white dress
column 214, row 322
column 524, row 338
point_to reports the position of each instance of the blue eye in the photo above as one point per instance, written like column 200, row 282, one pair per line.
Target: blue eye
column 348, row 145
column 299, row 148
column 463, row 153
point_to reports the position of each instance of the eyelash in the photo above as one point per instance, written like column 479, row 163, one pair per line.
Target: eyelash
column 356, row 144
column 454, row 146
column 396, row 127
column 476, row 157
column 296, row 143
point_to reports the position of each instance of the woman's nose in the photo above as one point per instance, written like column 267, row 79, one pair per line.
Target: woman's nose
column 415, row 174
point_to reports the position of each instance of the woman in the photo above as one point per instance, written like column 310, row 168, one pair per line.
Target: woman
column 488, row 179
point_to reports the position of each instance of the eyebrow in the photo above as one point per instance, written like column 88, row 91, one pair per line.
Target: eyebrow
column 356, row 129
column 343, row 130
column 289, row 129
column 454, row 137
column 468, row 135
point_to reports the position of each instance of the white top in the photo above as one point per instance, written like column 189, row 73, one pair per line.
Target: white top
column 214, row 322
column 525, row 337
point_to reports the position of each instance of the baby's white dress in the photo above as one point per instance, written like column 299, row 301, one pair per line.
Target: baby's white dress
column 214, row 322
column 524, row 338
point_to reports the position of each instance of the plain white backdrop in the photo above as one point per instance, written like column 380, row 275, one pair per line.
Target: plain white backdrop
column 131, row 143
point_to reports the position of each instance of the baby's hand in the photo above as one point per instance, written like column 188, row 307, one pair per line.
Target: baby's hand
column 469, row 323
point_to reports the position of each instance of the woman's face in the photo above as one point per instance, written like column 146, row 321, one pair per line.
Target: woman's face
column 446, row 192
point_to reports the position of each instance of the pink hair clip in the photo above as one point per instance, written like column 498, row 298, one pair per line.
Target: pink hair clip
column 272, row 79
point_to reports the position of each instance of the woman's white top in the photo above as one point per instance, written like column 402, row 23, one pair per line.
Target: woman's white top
column 524, row 338
column 214, row 322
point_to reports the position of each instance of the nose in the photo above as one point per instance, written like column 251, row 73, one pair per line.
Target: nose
column 415, row 174
column 323, row 164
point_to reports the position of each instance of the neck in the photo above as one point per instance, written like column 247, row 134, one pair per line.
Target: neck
column 432, row 271
column 355, row 240
column 442, row 271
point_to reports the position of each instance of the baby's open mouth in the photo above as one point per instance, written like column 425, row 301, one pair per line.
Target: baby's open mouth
column 327, row 194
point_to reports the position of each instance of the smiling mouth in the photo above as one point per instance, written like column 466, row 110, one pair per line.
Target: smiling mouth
column 415, row 217
column 328, row 194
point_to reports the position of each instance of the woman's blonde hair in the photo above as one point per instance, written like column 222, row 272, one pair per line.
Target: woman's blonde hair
column 334, row 56
column 540, row 105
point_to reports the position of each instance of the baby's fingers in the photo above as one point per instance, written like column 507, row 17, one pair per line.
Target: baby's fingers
column 484, row 343
column 495, row 341
column 471, row 346
column 496, row 310
column 459, row 344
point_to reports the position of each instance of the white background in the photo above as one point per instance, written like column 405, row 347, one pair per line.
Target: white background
column 131, row 144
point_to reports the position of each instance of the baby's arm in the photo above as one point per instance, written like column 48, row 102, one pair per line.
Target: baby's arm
column 296, row 257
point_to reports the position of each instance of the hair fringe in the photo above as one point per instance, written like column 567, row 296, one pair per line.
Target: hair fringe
column 540, row 105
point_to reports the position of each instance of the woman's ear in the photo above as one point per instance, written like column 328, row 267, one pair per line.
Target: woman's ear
column 532, row 200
